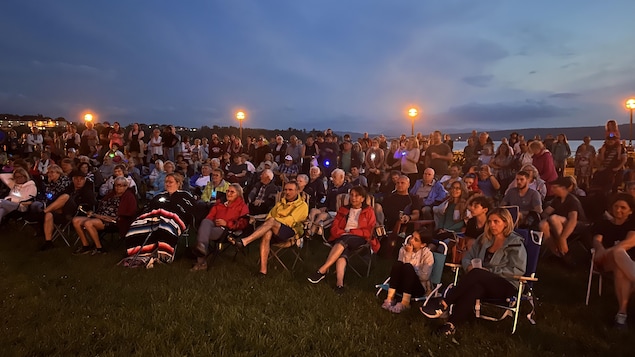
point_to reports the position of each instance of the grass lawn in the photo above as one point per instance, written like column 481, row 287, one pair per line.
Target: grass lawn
column 54, row 303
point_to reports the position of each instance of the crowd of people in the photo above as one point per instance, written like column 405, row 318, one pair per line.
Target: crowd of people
column 152, row 190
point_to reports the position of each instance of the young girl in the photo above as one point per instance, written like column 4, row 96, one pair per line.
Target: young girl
column 411, row 273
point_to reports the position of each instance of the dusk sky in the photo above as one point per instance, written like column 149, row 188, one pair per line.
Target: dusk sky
column 349, row 65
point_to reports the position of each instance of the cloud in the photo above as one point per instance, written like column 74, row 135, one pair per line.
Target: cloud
column 564, row 95
column 478, row 80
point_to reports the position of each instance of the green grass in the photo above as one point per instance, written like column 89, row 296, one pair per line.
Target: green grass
column 54, row 303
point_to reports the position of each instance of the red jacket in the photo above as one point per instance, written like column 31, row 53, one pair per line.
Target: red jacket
column 365, row 225
column 234, row 213
column 127, row 210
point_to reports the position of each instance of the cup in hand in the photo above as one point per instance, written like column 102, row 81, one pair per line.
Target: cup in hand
column 477, row 263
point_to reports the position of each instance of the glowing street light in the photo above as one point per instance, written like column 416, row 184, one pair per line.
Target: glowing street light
column 241, row 116
column 630, row 104
column 413, row 113
column 88, row 117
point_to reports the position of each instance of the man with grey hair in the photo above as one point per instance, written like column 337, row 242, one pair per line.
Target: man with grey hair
column 294, row 150
column 262, row 197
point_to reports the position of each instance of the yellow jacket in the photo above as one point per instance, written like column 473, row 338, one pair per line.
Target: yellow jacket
column 292, row 214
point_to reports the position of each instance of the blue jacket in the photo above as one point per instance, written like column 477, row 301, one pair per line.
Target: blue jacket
column 437, row 193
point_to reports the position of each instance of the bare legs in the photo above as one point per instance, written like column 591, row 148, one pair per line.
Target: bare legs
column 92, row 226
column 265, row 231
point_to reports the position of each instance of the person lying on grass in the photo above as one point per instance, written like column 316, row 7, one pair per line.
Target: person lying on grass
column 283, row 223
column 353, row 227
column 410, row 275
column 496, row 256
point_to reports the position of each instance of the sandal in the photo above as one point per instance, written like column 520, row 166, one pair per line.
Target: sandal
column 236, row 242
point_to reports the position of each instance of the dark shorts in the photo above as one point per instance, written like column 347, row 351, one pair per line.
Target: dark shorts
column 351, row 243
column 284, row 234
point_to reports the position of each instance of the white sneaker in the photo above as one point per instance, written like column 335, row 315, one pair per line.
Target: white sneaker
column 620, row 321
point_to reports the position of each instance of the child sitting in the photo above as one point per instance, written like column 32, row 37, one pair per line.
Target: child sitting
column 411, row 273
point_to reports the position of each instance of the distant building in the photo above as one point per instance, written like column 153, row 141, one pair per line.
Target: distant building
column 11, row 121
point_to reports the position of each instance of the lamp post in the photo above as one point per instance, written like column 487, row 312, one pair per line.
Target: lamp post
column 241, row 116
column 412, row 113
column 630, row 104
column 88, row 117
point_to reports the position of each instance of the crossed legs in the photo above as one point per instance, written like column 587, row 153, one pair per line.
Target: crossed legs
column 90, row 225
column 265, row 232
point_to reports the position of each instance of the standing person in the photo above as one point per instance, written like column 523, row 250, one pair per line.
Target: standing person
column 34, row 141
column 584, row 160
column 447, row 139
column 502, row 255
column 352, row 227
column 71, row 139
column 439, row 156
column 279, row 149
column 409, row 158
column 543, row 162
column 169, row 141
column 611, row 160
column 116, row 135
column 135, row 137
column 502, row 163
column 294, row 149
column 393, row 160
column 310, row 151
column 374, row 162
column 410, row 275
column 156, row 144
column 88, row 140
column 561, row 152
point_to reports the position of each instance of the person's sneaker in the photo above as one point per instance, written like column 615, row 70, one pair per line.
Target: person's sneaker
column 399, row 308
column 446, row 329
column 98, row 251
column 620, row 321
column 83, row 250
column 339, row 290
column 47, row 245
column 200, row 250
column 316, row 277
column 434, row 309
column 199, row 267
column 387, row 304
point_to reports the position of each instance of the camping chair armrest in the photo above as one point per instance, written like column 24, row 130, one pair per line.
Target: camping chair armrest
column 525, row 278
column 453, row 265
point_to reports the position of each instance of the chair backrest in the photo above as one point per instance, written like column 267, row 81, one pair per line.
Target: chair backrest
column 515, row 212
column 440, row 256
column 532, row 242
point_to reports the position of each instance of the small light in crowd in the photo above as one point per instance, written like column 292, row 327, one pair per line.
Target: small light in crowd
column 372, row 156
column 162, row 199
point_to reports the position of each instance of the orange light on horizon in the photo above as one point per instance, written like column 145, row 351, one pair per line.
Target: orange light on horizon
column 413, row 112
column 241, row 115
column 630, row 104
column 88, row 117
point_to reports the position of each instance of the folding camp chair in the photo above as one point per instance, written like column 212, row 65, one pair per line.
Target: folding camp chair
column 515, row 213
column 440, row 255
column 257, row 219
column 223, row 245
column 593, row 271
column 511, row 305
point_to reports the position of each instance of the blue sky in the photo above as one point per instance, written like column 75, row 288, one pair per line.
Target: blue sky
column 350, row 65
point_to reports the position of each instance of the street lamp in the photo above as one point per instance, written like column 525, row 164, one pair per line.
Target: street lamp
column 630, row 104
column 88, row 117
column 241, row 116
column 412, row 113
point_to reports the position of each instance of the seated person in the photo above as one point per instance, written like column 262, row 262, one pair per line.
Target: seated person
column 614, row 243
column 107, row 168
column 316, row 188
column 327, row 210
column 201, row 179
column 119, row 171
column 155, row 233
column 429, row 191
column 389, row 185
column 80, row 193
column 118, row 208
column 283, row 223
column 410, row 275
column 353, row 227
column 487, row 182
column 479, row 207
column 471, row 183
column 454, row 175
column 561, row 217
column 55, row 184
column 527, row 199
column 534, row 182
column 117, row 156
column 400, row 206
column 158, row 184
column 268, row 163
column 215, row 188
column 450, row 215
column 288, row 170
column 501, row 254
column 22, row 192
column 262, row 197
column 237, row 171
column 224, row 216
column 356, row 179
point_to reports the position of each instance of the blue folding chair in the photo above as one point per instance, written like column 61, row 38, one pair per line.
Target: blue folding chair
column 511, row 305
column 440, row 255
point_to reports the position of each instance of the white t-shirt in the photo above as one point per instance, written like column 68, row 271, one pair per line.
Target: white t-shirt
column 353, row 219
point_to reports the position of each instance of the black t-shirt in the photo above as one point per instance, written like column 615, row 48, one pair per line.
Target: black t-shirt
column 471, row 230
column 394, row 203
column 571, row 203
column 84, row 197
column 612, row 233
